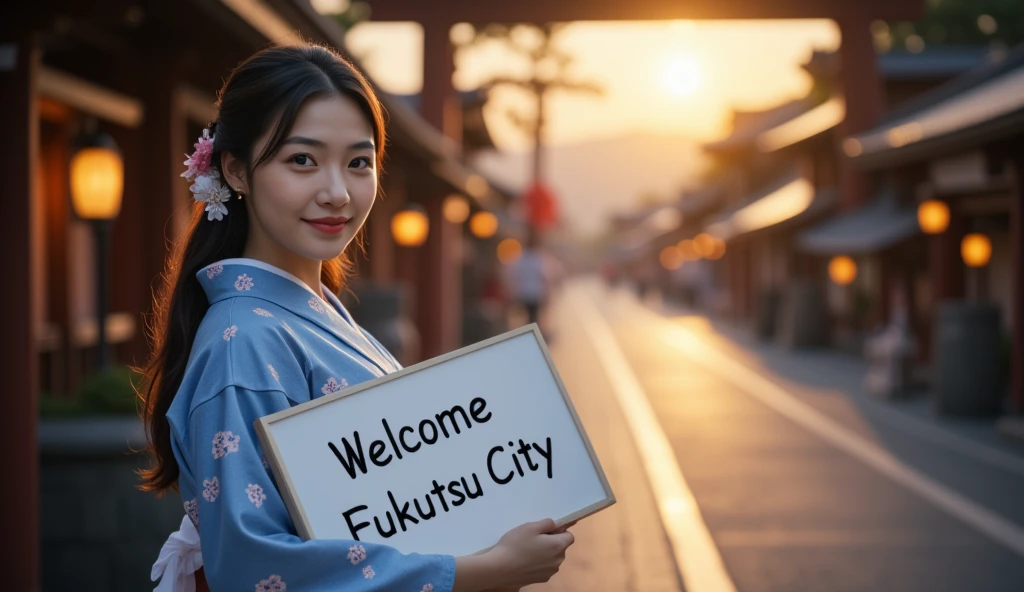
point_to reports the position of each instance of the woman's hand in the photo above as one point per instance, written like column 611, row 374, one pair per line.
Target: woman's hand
column 527, row 554
column 530, row 554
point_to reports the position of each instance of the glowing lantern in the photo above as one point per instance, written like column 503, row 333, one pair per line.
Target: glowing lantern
column 688, row 250
column 455, row 209
column 410, row 226
column 842, row 270
column 718, row 250
column 976, row 249
column 671, row 258
column 483, row 224
column 704, row 244
column 509, row 250
column 933, row 216
column 97, row 179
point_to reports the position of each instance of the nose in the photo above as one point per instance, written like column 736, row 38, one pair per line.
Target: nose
column 335, row 193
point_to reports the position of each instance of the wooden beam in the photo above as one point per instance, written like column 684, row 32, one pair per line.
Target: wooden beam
column 89, row 97
column 540, row 11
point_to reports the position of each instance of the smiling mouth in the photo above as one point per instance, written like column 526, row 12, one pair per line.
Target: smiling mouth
column 328, row 226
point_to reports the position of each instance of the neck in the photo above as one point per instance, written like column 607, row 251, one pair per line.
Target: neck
column 307, row 270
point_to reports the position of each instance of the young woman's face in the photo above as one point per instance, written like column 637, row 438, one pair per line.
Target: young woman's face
column 309, row 200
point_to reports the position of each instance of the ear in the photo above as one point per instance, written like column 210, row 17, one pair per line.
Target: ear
column 234, row 172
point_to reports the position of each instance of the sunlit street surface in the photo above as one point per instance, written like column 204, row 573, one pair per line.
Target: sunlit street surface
column 801, row 481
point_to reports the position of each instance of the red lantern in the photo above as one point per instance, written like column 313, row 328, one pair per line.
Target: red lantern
column 541, row 206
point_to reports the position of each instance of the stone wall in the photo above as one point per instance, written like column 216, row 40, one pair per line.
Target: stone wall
column 99, row 532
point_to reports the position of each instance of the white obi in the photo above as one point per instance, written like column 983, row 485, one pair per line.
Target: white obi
column 179, row 559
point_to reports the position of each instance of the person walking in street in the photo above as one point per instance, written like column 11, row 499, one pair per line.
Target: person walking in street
column 532, row 277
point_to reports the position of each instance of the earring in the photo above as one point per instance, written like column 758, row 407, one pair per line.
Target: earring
column 241, row 195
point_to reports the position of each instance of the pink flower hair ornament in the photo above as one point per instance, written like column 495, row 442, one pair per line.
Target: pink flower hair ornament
column 207, row 186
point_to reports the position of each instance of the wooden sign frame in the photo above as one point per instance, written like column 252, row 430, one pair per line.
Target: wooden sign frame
column 287, row 487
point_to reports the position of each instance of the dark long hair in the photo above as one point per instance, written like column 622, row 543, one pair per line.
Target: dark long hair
column 271, row 86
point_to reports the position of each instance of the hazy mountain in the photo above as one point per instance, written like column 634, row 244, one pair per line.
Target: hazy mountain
column 597, row 178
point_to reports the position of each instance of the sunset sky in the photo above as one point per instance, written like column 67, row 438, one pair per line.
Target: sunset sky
column 669, row 86
column 660, row 77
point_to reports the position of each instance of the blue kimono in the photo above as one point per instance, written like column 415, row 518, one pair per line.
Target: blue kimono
column 269, row 342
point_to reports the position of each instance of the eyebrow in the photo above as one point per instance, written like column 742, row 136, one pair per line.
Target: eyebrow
column 361, row 145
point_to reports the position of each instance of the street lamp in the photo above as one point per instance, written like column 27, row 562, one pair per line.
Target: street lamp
column 97, row 187
column 410, row 226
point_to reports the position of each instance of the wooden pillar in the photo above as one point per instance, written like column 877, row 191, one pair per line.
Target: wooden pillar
column 440, row 285
column 1017, row 265
column 862, row 90
column 18, row 422
column 380, row 246
column 440, row 104
column 946, row 266
column 164, row 133
column 129, row 284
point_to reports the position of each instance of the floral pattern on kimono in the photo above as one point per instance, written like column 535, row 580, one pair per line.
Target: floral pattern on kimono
column 298, row 345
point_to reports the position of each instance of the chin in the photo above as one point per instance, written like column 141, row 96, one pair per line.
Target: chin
column 326, row 252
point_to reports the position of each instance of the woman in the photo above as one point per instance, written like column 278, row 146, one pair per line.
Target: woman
column 248, row 324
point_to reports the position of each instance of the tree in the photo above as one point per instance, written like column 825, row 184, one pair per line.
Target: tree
column 999, row 23
column 549, row 73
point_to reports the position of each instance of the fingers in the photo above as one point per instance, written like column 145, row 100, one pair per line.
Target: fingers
column 541, row 526
column 564, row 539
column 564, row 527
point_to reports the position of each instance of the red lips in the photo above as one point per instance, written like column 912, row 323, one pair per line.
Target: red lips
column 329, row 225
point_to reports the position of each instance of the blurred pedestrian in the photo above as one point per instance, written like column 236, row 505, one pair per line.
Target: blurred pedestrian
column 532, row 277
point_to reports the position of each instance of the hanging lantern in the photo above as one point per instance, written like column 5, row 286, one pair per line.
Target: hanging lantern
column 933, row 216
column 483, row 224
column 688, row 249
column 704, row 245
column 541, row 206
column 97, row 178
column 410, row 226
column 842, row 270
column 509, row 250
column 455, row 209
column 718, row 249
column 671, row 258
column 976, row 249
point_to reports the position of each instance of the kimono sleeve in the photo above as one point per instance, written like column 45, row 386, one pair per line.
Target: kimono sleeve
column 247, row 536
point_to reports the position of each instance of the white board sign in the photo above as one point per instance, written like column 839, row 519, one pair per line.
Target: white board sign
column 441, row 457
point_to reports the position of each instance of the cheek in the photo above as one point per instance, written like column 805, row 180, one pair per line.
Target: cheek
column 280, row 196
column 364, row 193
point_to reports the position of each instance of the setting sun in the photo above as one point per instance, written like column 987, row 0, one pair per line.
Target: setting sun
column 681, row 75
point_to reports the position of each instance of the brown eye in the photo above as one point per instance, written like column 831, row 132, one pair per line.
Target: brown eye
column 302, row 159
column 361, row 163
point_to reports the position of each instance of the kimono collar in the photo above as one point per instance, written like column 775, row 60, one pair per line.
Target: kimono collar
column 232, row 278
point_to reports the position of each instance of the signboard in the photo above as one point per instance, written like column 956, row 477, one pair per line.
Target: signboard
column 441, row 457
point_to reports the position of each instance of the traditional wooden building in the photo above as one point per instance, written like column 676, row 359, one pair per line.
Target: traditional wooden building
column 786, row 170
column 961, row 149
column 146, row 73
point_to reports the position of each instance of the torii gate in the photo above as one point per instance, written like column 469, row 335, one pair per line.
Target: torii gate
column 859, row 78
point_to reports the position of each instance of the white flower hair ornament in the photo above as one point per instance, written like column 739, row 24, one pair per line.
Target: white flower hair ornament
column 207, row 186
